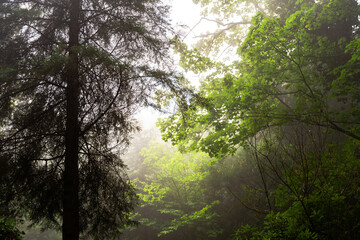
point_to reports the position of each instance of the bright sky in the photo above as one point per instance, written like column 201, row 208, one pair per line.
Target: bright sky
column 188, row 13
column 184, row 11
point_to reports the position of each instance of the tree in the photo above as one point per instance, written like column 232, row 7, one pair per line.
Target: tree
column 174, row 186
column 187, row 196
column 312, row 55
column 72, row 74
column 291, row 99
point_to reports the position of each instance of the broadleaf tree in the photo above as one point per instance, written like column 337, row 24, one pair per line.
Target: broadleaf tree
column 72, row 74
column 292, row 100
column 291, row 69
column 188, row 195
column 174, row 186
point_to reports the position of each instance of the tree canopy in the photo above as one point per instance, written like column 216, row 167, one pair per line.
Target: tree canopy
column 291, row 100
column 291, row 70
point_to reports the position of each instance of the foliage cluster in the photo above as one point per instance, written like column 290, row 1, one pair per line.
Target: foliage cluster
column 9, row 229
column 187, row 195
column 172, row 195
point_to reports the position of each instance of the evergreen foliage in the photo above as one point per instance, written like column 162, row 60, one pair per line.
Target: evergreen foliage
column 72, row 74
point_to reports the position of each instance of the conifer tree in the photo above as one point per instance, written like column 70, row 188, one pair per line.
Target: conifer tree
column 72, row 74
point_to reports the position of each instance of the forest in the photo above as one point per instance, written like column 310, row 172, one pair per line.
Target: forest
column 258, row 136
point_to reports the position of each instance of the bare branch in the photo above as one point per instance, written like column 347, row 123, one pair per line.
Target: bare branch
column 227, row 25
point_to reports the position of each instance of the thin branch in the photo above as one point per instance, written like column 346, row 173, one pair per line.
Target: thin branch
column 221, row 31
column 228, row 25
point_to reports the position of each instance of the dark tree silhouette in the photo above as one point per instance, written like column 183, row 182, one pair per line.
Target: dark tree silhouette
column 72, row 74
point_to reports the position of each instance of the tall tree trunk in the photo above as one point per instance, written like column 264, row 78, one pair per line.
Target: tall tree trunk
column 70, row 227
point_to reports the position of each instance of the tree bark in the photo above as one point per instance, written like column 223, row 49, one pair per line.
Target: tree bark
column 70, row 227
